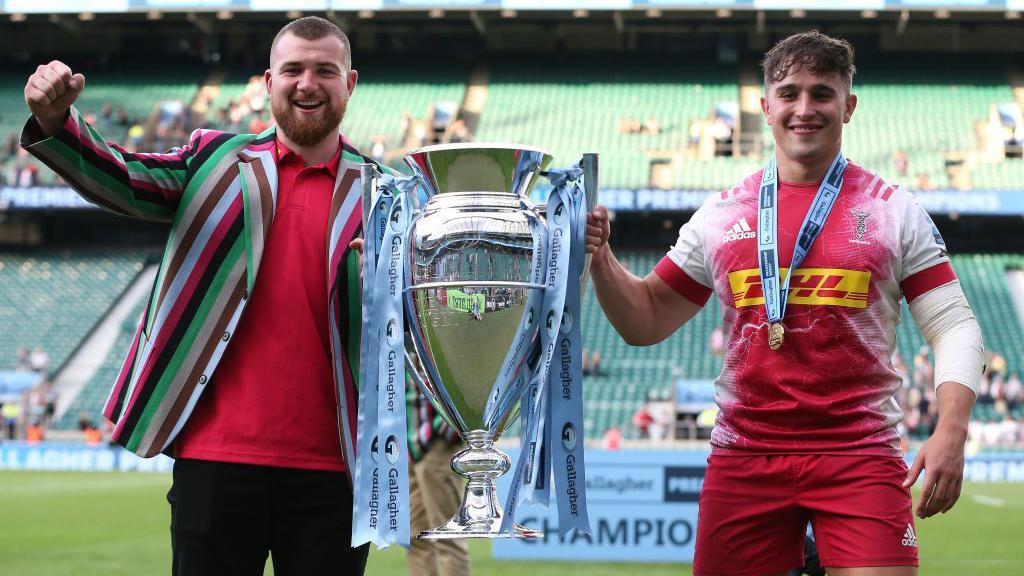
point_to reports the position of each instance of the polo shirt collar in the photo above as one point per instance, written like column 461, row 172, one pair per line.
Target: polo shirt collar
column 285, row 154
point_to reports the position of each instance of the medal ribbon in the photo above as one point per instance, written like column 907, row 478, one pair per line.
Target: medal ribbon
column 366, row 489
column 775, row 297
column 380, row 512
column 554, row 399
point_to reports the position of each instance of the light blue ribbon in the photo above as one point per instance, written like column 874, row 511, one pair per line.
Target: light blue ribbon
column 381, row 483
column 541, row 413
column 565, row 385
column 392, row 462
column 775, row 297
column 366, row 481
column 514, row 368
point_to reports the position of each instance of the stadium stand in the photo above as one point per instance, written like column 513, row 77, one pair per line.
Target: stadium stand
column 924, row 109
column 635, row 113
column 53, row 298
column 89, row 402
column 589, row 104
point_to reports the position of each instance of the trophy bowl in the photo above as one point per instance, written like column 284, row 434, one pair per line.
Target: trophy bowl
column 474, row 282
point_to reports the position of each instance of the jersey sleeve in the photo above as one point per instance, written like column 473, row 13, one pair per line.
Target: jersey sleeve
column 682, row 268
column 925, row 264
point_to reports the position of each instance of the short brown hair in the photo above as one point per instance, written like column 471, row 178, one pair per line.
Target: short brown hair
column 315, row 28
column 817, row 52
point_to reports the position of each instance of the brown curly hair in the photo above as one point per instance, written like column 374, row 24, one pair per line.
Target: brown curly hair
column 817, row 52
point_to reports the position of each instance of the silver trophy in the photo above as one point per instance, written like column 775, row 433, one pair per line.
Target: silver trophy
column 472, row 278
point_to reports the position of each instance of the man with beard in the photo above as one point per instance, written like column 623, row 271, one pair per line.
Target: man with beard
column 252, row 304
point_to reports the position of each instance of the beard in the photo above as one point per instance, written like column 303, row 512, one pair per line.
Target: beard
column 303, row 130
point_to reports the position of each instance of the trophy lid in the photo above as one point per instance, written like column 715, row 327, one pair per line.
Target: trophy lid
column 478, row 167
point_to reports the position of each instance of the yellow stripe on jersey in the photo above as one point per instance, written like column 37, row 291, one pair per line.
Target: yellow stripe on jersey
column 823, row 286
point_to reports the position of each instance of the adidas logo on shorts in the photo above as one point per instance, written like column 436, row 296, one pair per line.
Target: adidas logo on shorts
column 739, row 231
column 909, row 537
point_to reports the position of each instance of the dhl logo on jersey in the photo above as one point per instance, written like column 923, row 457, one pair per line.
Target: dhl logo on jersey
column 824, row 286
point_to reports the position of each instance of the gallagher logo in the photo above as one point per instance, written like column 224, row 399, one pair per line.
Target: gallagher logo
column 822, row 286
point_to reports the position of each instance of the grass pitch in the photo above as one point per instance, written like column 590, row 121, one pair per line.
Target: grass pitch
column 110, row 524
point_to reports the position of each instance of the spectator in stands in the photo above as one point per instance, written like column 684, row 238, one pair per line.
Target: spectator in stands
column 11, row 145
column 595, row 363
column 92, row 436
column 84, row 422
column 642, row 420
column 11, row 414
column 49, row 402
column 899, row 158
column 612, row 438
column 651, row 126
column 1014, row 392
column 721, row 131
column 135, row 135
column 378, row 149
column 34, row 432
column 716, row 342
column 458, row 132
column 924, row 182
column 995, row 363
column 39, row 361
column 283, row 482
column 24, row 359
column 901, row 368
column 799, row 386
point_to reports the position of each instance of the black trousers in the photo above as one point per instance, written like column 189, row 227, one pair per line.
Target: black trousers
column 225, row 518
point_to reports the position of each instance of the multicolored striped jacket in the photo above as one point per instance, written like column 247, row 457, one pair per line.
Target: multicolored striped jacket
column 425, row 423
column 219, row 193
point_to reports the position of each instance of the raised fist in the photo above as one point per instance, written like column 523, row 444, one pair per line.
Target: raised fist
column 50, row 92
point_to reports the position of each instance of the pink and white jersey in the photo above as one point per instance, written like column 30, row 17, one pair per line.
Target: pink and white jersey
column 831, row 387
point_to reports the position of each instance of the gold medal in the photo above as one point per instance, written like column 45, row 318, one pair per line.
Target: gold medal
column 776, row 334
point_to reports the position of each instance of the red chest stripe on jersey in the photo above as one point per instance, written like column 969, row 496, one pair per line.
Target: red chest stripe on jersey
column 821, row 286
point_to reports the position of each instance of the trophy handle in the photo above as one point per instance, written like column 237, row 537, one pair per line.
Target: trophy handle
column 589, row 163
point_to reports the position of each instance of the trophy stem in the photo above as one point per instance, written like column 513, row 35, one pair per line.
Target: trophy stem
column 480, row 514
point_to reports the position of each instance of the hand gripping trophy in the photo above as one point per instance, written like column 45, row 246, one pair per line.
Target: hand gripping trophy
column 476, row 292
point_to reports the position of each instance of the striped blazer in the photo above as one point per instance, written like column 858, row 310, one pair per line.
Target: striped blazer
column 219, row 194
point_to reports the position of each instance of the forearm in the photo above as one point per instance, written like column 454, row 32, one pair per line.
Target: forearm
column 146, row 186
column 955, row 404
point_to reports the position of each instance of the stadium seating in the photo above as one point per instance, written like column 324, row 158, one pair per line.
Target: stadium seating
column 383, row 93
column 922, row 108
column 89, row 402
column 628, row 375
column 54, row 298
column 576, row 107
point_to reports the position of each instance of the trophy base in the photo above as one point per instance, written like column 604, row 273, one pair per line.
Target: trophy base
column 480, row 514
column 453, row 530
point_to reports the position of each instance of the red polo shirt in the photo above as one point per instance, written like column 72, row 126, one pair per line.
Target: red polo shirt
column 272, row 400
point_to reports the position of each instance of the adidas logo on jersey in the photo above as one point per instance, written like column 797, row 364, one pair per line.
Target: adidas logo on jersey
column 909, row 537
column 739, row 231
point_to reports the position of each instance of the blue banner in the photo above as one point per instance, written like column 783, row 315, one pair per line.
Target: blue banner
column 75, row 457
column 14, row 382
column 643, row 506
column 936, row 202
